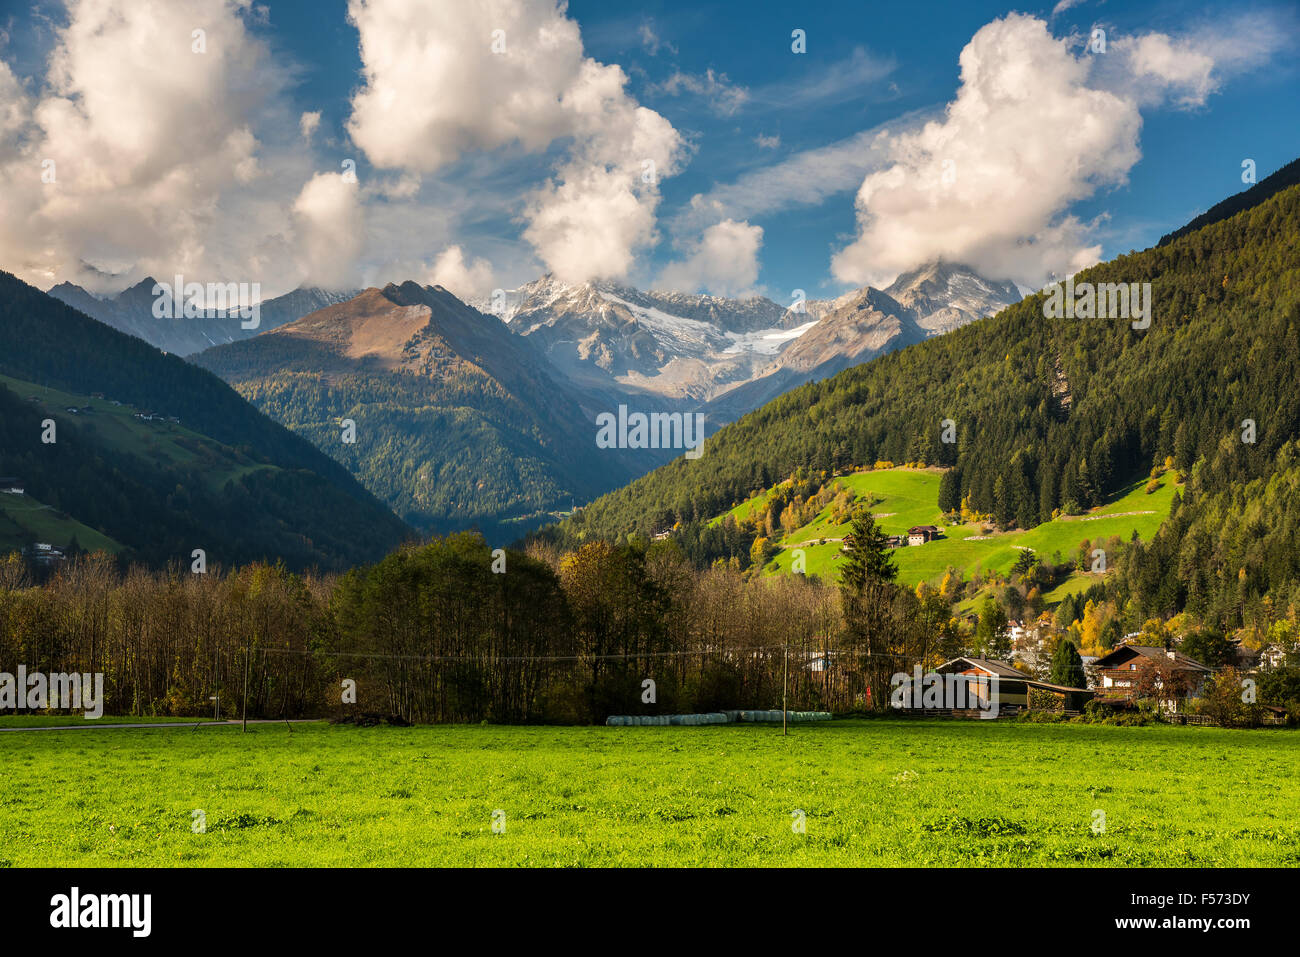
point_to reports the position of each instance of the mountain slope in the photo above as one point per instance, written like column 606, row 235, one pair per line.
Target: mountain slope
column 1287, row 176
column 867, row 323
column 944, row 296
column 131, row 311
column 728, row 356
column 223, row 478
column 603, row 335
column 459, row 422
column 1049, row 413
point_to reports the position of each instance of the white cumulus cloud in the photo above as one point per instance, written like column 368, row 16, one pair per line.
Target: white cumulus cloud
column 141, row 152
column 442, row 80
column 331, row 232
column 1034, row 128
column 308, row 124
column 723, row 262
column 457, row 274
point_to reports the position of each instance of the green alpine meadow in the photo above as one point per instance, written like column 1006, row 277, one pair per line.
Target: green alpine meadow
column 865, row 792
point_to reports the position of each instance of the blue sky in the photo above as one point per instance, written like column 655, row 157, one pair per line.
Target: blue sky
column 739, row 115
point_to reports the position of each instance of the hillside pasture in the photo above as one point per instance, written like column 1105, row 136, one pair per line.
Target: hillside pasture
column 907, row 497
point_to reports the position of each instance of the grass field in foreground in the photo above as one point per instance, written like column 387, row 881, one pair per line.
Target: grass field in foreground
column 875, row 792
column 77, row 719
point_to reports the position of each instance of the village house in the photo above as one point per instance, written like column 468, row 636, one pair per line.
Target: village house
column 11, row 485
column 819, row 661
column 1117, row 672
column 47, row 554
column 920, row 534
column 1090, row 669
column 1272, row 656
column 1014, row 687
column 1245, row 658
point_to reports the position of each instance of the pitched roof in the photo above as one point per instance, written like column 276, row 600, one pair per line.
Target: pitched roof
column 1180, row 661
column 1000, row 668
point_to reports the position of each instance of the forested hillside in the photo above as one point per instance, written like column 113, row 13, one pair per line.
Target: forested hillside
column 1048, row 413
column 1229, row 554
column 459, row 422
column 223, row 478
column 1275, row 182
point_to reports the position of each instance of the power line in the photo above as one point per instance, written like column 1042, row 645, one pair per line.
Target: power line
column 604, row 657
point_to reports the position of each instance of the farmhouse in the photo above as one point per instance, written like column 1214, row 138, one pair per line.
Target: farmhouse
column 47, row 554
column 920, row 534
column 1118, row 671
column 11, row 485
column 819, row 661
column 1015, row 688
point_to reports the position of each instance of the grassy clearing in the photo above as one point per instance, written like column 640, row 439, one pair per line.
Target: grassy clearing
column 908, row 497
column 167, row 444
column 23, row 519
column 873, row 792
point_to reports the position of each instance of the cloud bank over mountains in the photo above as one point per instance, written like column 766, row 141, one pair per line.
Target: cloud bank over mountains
column 482, row 143
column 512, row 74
column 1036, row 126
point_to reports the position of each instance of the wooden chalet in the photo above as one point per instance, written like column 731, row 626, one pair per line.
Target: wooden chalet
column 920, row 534
column 1014, row 686
column 1117, row 671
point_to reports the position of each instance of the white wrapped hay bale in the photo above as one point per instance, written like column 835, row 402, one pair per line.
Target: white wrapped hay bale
column 695, row 720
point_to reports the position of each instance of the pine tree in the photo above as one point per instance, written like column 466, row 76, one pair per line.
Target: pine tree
column 950, row 491
column 867, row 556
column 1067, row 666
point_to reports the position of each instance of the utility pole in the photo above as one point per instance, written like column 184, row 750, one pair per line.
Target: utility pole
column 785, row 676
column 245, row 688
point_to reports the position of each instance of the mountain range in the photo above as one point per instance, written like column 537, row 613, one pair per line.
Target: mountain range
column 466, row 417
column 485, row 417
column 458, row 421
column 728, row 356
column 132, row 311
column 158, row 458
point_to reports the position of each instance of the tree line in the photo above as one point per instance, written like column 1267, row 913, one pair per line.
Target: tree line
column 453, row 630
